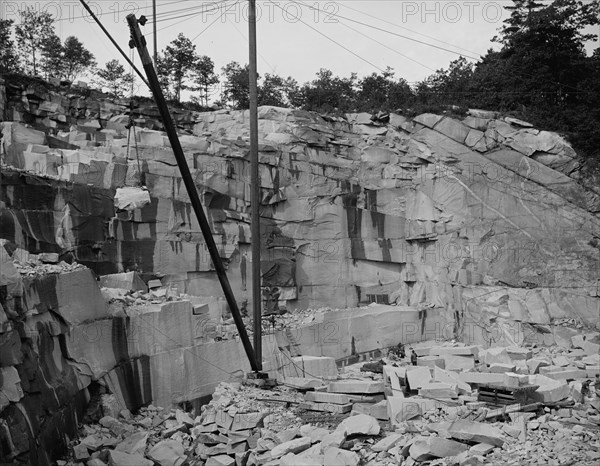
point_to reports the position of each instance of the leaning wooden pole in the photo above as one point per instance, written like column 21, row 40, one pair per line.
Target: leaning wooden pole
column 255, row 188
column 138, row 41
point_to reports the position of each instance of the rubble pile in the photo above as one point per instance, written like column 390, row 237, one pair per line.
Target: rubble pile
column 32, row 265
column 299, row 317
column 237, row 419
column 62, row 336
column 407, row 415
column 565, row 437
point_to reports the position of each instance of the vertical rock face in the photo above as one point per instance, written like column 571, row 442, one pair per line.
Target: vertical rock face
column 472, row 228
column 43, row 394
column 482, row 218
column 58, row 335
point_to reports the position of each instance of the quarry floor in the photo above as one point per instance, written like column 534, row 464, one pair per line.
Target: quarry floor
column 123, row 373
column 357, row 416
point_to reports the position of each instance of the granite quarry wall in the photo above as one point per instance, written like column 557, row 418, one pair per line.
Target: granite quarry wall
column 428, row 212
column 474, row 228
column 61, row 335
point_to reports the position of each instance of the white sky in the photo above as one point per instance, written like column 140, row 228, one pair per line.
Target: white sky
column 293, row 35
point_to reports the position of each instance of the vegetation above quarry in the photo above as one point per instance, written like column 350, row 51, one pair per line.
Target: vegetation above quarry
column 541, row 74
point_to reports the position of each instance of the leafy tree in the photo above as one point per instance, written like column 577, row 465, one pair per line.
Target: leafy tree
column 114, row 78
column 162, row 73
column 382, row 92
column 64, row 61
column 34, row 29
column 9, row 62
column 295, row 95
column 204, row 78
column 236, row 87
column 543, row 58
column 520, row 15
column 180, row 59
column 399, row 94
column 373, row 94
column 76, row 58
column 450, row 86
column 273, row 91
column 328, row 93
column 543, row 74
column 51, row 60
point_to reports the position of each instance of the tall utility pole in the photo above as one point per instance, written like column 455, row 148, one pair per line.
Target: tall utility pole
column 154, row 40
column 255, row 189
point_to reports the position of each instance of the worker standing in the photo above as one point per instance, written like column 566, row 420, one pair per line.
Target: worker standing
column 413, row 357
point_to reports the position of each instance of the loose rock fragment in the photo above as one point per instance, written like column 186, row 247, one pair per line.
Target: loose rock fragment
column 429, row 448
column 476, row 432
column 359, row 424
column 167, row 453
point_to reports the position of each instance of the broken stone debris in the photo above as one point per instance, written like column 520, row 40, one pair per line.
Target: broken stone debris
column 241, row 426
column 359, row 424
column 429, row 448
column 361, row 393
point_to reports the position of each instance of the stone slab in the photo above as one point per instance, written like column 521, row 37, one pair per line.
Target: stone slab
column 516, row 353
column 476, row 432
column 355, row 386
column 550, row 390
column 431, row 361
column 125, row 281
column 335, row 456
column 324, row 397
column 439, row 390
column 495, row 355
column 292, row 446
column 481, row 377
column 481, row 449
column 326, row 407
column 79, row 297
column 311, row 366
column 388, row 442
column 302, row 383
column 418, row 376
column 441, row 375
column 10, row 386
column 244, row 421
column 458, row 363
column 379, row 410
column 424, row 449
column 534, row 365
column 404, row 409
column 119, row 458
column 498, row 368
column 568, row 374
column 361, row 424
column 456, row 350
